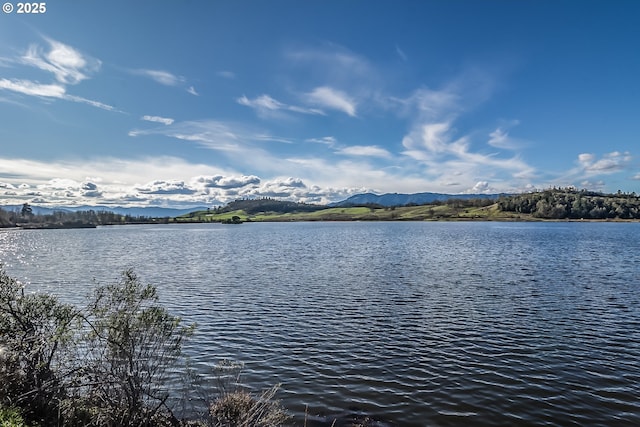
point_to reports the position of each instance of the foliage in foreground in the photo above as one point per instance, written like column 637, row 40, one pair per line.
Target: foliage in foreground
column 236, row 407
column 107, row 364
column 11, row 418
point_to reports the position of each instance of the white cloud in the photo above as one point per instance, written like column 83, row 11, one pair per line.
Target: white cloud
column 157, row 119
column 332, row 98
column 481, row 187
column 364, row 150
column 586, row 158
column 208, row 133
column 165, row 187
column 160, row 76
column 609, row 163
column 265, row 104
column 27, row 87
column 55, row 91
column 192, row 91
column 67, row 64
column 91, row 102
column 499, row 138
column 60, row 184
column 326, row 140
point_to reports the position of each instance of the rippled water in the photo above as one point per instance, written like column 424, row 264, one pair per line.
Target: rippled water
column 414, row 324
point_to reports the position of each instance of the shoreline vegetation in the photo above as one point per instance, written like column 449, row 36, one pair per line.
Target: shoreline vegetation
column 557, row 204
column 109, row 363
column 114, row 362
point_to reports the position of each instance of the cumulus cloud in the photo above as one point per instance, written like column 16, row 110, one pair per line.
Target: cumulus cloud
column 609, row 163
column 592, row 185
column 166, row 187
column 157, row 119
column 90, row 189
column 481, row 187
column 60, row 184
column 227, row 182
column 280, row 187
column 334, row 99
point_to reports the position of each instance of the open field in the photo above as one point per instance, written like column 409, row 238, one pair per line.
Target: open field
column 404, row 213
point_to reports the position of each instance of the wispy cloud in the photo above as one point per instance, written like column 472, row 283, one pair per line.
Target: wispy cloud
column 448, row 155
column 333, row 63
column 166, row 78
column 364, row 150
column 157, row 119
column 160, row 76
column 214, row 135
column 226, row 74
column 56, row 91
column 330, row 141
column 27, row 87
column 265, row 104
column 67, row 64
column 334, row 99
column 401, row 53
column 93, row 103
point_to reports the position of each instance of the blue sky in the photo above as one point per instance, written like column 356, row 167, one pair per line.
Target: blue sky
column 183, row 103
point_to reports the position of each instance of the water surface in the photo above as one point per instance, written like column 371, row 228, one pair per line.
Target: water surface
column 434, row 324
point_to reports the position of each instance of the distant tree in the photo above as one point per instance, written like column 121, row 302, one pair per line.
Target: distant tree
column 26, row 211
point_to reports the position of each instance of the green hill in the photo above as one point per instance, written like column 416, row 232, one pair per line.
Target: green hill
column 553, row 204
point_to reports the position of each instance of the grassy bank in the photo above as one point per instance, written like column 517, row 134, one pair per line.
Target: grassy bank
column 436, row 212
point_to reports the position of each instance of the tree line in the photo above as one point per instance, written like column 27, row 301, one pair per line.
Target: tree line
column 267, row 204
column 570, row 203
column 25, row 215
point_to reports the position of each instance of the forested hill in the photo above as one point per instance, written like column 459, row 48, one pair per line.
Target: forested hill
column 573, row 204
column 253, row 206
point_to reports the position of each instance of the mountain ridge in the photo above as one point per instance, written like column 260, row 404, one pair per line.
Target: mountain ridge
column 403, row 199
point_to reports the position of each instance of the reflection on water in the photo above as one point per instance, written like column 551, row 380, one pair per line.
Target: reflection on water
column 411, row 323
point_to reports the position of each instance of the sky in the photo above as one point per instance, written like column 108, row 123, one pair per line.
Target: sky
column 200, row 102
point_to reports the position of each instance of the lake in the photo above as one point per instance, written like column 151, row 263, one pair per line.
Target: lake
column 412, row 324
